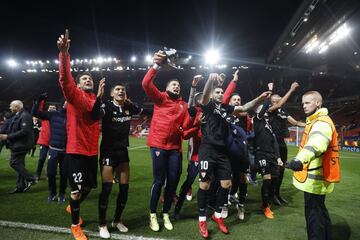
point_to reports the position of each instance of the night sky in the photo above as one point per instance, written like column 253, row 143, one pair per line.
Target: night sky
column 122, row 28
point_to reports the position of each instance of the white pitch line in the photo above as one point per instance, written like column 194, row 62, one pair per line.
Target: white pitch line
column 46, row 228
column 137, row 147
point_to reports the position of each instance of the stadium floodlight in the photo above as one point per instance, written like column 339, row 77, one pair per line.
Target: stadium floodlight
column 12, row 63
column 27, row 62
column 212, row 56
column 189, row 57
column 323, row 47
column 56, row 61
column 99, row 60
column 148, row 58
column 340, row 33
column 133, row 59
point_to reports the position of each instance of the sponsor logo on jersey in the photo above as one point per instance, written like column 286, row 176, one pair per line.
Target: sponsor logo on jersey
column 121, row 119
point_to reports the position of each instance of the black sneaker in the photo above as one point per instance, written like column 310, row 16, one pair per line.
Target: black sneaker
column 61, row 199
column 176, row 215
column 29, row 184
column 52, row 198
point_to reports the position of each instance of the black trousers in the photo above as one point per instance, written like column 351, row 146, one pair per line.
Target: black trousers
column 318, row 223
column 17, row 162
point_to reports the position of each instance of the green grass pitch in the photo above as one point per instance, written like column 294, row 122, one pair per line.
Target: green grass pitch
column 289, row 223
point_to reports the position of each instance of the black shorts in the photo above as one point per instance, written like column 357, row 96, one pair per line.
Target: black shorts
column 114, row 158
column 82, row 171
column 267, row 164
column 214, row 163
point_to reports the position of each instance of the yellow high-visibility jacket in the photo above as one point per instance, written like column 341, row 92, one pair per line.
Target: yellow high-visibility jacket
column 317, row 143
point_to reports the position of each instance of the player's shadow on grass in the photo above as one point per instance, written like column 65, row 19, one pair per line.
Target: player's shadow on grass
column 340, row 228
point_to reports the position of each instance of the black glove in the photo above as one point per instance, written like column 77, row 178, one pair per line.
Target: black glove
column 42, row 97
column 192, row 111
column 294, row 165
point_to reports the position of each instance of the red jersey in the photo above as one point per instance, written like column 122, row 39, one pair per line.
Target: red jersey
column 169, row 118
column 194, row 136
column 44, row 136
column 82, row 131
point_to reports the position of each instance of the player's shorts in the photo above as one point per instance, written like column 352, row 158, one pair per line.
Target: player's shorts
column 82, row 171
column 214, row 163
column 114, row 158
column 267, row 164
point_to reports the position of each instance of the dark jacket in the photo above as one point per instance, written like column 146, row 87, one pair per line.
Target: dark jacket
column 57, row 121
column 21, row 134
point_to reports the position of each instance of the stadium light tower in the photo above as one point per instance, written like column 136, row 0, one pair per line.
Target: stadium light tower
column 133, row 59
column 212, row 56
column 12, row 63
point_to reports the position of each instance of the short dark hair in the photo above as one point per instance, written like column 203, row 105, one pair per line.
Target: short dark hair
column 171, row 80
column 82, row 74
column 234, row 94
column 117, row 84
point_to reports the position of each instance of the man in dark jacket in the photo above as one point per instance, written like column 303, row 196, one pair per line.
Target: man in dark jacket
column 57, row 146
column 21, row 138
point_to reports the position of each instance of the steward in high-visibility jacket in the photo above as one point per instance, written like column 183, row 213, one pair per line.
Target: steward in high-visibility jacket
column 318, row 149
column 316, row 166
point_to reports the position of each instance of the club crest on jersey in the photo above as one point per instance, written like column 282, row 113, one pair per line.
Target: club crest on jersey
column 203, row 174
column 157, row 153
column 127, row 112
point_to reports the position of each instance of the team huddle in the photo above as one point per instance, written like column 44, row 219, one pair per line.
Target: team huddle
column 228, row 144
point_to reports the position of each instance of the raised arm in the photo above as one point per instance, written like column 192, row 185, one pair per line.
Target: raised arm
column 66, row 79
column 98, row 111
column 231, row 87
column 284, row 99
column 252, row 104
column 194, row 83
column 37, row 109
column 208, row 88
column 294, row 122
column 148, row 81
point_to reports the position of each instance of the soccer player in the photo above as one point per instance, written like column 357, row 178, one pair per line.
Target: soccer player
column 194, row 136
column 114, row 154
column 316, row 165
column 267, row 155
column 237, row 149
column 278, row 119
column 214, row 161
column 83, row 132
column 169, row 119
column 57, row 147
